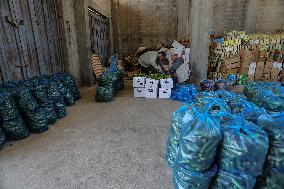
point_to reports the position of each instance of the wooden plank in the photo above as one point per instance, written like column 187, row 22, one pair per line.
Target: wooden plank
column 57, row 66
column 62, row 37
column 21, row 41
column 58, row 34
column 31, row 48
column 45, row 56
column 9, row 52
column 52, row 58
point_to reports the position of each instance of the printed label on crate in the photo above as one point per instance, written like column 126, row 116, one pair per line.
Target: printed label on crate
column 167, row 83
column 165, row 93
column 139, row 82
column 151, row 83
column 139, row 92
column 151, row 93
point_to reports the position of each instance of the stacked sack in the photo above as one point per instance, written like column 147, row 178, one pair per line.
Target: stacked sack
column 273, row 175
column 213, row 143
column 267, row 95
column 109, row 83
column 33, row 104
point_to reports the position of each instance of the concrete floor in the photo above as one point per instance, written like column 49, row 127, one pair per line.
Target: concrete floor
column 118, row 145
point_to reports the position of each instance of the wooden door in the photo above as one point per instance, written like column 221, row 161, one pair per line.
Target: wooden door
column 99, row 33
column 30, row 43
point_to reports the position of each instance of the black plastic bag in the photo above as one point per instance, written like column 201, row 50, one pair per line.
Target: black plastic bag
column 104, row 94
column 50, row 113
column 60, row 109
column 2, row 139
column 40, row 94
column 37, row 121
column 26, row 101
column 53, row 92
column 15, row 129
column 8, row 107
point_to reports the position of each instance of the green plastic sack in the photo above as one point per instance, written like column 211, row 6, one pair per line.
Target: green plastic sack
column 2, row 139
column 271, row 179
column 199, row 140
column 104, row 94
column 243, row 148
column 15, row 129
column 187, row 179
column 273, row 124
column 174, row 135
column 229, row 180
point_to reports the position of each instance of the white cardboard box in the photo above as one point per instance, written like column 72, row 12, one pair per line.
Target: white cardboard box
column 139, row 82
column 151, row 92
column 139, row 92
column 167, row 83
column 165, row 93
column 151, row 83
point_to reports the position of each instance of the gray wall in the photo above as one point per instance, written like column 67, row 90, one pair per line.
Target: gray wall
column 143, row 23
column 77, row 34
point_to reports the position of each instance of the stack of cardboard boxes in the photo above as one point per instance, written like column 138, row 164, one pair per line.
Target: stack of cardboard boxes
column 149, row 88
column 260, row 56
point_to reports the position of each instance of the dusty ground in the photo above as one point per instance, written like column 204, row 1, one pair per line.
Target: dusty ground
column 118, row 145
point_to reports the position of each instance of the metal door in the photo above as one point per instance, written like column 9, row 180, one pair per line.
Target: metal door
column 99, row 33
column 30, row 43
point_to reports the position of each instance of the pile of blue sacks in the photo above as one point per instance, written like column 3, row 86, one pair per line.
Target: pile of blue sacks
column 221, row 140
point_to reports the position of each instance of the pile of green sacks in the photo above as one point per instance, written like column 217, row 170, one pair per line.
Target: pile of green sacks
column 31, row 105
column 267, row 95
column 215, row 142
column 109, row 83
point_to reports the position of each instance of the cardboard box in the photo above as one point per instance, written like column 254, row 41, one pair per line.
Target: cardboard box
column 233, row 60
column 167, row 83
column 263, row 55
column 251, row 77
column 165, row 93
column 277, row 65
column 151, row 93
column 259, row 71
column 139, row 82
column 139, row 92
column 266, row 77
column 151, row 83
column 232, row 71
column 267, row 67
column 275, row 71
column 244, row 67
column 247, row 55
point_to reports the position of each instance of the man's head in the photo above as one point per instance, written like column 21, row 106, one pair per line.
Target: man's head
column 174, row 54
column 162, row 55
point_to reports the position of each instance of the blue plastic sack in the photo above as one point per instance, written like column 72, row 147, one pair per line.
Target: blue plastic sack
column 114, row 63
column 174, row 134
column 199, row 140
column 184, row 93
column 229, row 180
column 273, row 124
column 244, row 147
column 187, row 179
column 271, row 179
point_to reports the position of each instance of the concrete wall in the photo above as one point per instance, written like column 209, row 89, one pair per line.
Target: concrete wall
column 184, row 19
column 144, row 23
column 77, row 34
column 270, row 15
column 71, row 38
